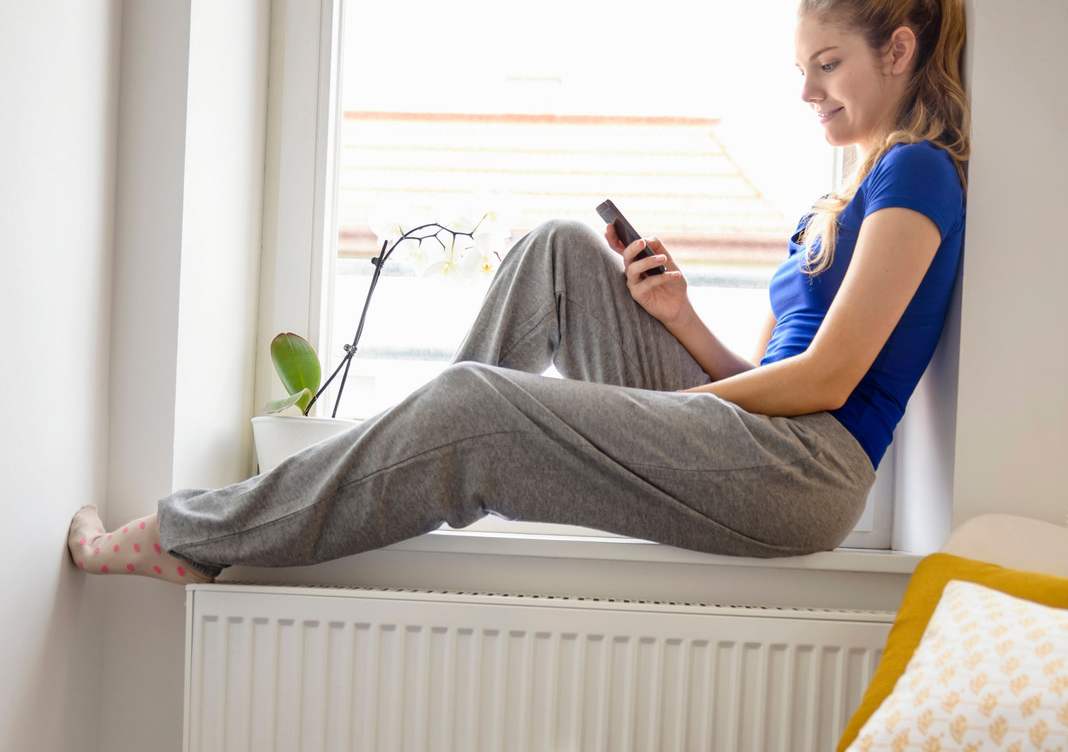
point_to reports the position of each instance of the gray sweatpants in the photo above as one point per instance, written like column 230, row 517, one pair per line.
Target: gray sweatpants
column 614, row 445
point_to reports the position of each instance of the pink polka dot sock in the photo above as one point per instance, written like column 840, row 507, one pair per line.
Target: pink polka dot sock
column 133, row 548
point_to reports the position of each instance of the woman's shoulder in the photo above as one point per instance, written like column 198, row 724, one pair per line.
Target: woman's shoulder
column 917, row 176
column 918, row 160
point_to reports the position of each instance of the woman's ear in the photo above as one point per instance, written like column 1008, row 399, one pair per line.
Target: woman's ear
column 901, row 51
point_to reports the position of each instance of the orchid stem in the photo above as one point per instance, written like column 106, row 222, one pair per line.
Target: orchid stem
column 379, row 261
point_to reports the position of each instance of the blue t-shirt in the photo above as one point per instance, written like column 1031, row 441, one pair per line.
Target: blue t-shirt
column 914, row 176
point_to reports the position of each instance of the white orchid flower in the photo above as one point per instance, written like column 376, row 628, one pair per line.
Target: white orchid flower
column 471, row 243
column 421, row 255
column 454, row 265
column 456, row 213
column 489, row 250
column 390, row 220
column 474, row 263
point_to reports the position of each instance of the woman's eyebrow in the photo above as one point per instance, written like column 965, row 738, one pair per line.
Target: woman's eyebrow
column 820, row 52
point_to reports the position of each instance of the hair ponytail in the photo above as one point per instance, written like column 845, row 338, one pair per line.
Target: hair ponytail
column 934, row 108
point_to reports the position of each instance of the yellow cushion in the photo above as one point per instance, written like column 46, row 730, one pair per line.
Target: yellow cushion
column 921, row 597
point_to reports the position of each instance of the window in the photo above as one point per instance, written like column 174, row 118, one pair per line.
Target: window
column 459, row 102
column 695, row 129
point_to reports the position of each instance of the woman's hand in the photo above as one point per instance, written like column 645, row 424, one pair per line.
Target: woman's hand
column 663, row 296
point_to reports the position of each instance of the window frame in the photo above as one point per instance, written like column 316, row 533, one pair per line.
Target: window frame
column 299, row 246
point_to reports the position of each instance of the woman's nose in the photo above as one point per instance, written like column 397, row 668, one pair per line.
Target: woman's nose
column 810, row 92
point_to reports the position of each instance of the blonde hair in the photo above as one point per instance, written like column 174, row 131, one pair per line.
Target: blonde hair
column 934, row 107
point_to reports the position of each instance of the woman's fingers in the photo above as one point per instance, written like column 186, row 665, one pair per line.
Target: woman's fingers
column 641, row 269
column 638, row 264
column 613, row 240
column 637, row 268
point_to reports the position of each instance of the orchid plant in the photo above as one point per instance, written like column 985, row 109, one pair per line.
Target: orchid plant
column 471, row 244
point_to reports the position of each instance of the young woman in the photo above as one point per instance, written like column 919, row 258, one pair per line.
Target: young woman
column 658, row 431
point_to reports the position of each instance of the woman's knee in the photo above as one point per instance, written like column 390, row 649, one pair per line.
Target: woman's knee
column 473, row 387
column 570, row 229
column 569, row 239
column 462, row 383
column 467, row 399
column 577, row 255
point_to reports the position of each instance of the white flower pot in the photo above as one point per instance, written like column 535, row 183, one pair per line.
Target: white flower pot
column 280, row 436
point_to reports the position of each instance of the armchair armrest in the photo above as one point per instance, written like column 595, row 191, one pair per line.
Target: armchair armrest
column 1012, row 541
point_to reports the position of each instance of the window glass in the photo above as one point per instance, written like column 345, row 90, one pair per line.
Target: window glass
column 692, row 124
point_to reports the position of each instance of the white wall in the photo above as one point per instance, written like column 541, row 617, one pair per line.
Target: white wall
column 58, row 88
column 144, row 635
column 1012, row 411
column 189, row 197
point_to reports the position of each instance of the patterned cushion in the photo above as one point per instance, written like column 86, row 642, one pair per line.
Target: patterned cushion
column 990, row 673
column 922, row 595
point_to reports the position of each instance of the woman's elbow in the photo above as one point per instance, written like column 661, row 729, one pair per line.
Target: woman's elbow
column 818, row 401
column 832, row 392
column 830, row 382
column 835, row 401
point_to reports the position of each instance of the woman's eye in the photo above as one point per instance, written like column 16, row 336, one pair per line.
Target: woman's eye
column 828, row 67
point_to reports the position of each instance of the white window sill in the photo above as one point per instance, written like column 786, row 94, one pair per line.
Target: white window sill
column 604, row 548
column 568, row 563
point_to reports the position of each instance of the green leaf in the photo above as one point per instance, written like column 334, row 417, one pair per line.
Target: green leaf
column 301, row 399
column 296, row 363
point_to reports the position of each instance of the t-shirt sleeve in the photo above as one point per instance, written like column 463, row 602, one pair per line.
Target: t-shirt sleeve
column 918, row 177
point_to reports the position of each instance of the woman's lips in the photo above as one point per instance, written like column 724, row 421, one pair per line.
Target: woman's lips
column 825, row 115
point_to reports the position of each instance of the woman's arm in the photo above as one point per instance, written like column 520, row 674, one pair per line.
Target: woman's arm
column 765, row 338
column 894, row 249
column 664, row 297
column 715, row 358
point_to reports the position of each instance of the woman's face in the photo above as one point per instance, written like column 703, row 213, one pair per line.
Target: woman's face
column 848, row 86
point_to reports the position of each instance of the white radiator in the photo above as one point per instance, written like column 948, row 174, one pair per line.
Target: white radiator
column 284, row 669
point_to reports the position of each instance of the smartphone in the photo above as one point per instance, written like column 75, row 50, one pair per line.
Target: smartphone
column 625, row 231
